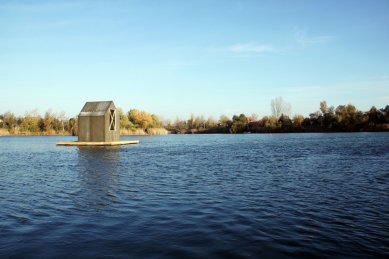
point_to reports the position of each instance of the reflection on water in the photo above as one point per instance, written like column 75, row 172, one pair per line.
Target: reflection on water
column 98, row 175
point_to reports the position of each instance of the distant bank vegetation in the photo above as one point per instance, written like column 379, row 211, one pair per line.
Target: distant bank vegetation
column 343, row 118
column 134, row 122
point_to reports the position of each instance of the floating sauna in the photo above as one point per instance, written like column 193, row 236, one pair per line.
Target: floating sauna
column 98, row 125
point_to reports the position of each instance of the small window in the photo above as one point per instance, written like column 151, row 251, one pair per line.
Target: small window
column 112, row 119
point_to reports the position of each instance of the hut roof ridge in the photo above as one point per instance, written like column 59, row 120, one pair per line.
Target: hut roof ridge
column 95, row 108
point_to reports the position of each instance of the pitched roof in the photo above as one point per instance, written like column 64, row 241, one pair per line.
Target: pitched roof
column 95, row 108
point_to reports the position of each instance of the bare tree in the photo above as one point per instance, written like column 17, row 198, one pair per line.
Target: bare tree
column 255, row 116
column 62, row 118
column 323, row 107
column 279, row 107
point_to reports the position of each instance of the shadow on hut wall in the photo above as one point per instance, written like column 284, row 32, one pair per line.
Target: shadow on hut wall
column 98, row 175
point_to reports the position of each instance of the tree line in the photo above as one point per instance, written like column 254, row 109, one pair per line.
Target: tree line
column 343, row 118
column 32, row 123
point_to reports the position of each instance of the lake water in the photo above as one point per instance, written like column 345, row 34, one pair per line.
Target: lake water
column 280, row 195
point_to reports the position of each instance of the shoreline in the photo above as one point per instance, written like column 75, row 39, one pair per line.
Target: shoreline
column 204, row 133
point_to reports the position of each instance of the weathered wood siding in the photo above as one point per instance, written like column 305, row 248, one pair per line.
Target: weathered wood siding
column 91, row 128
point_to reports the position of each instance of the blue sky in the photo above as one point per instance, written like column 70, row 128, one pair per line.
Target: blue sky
column 174, row 58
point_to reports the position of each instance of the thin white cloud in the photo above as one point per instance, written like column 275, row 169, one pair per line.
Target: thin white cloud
column 251, row 47
column 300, row 37
column 305, row 40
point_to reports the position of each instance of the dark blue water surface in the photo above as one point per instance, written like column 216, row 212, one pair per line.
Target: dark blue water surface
column 284, row 195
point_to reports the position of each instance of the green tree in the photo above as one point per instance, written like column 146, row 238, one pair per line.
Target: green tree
column 9, row 120
column 373, row 116
column 285, row 121
column 241, row 118
column 385, row 112
column 329, row 118
column 238, row 127
column 316, row 119
column 30, row 122
column 270, row 122
column 347, row 117
column 224, row 123
column 123, row 118
column 48, row 122
column 239, row 124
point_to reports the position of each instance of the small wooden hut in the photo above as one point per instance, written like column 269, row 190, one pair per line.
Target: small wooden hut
column 98, row 122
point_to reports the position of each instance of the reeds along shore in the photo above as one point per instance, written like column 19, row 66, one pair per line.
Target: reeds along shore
column 140, row 132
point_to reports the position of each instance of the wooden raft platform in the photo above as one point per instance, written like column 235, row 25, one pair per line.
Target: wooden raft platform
column 114, row 143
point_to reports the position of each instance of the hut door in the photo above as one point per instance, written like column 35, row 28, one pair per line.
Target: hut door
column 112, row 119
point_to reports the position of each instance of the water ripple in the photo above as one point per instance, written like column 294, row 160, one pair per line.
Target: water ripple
column 285, row 195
